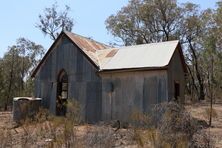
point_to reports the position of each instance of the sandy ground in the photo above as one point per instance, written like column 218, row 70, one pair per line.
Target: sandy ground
column 199, row 111
column 123, row 138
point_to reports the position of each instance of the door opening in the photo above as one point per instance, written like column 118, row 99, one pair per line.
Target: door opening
column 176, row 90
column 62, row 93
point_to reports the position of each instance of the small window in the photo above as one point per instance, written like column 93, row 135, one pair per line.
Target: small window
column 177, row 90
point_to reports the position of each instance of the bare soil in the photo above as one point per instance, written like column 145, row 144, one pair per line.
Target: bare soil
column 198, row 111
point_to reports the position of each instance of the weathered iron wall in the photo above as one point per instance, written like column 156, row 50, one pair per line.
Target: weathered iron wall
column 113, row 95
column 84, row 84
column 124, row 93
column 176, row 74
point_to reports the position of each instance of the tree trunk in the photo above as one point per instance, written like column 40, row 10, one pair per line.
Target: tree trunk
column 5, row 107
column 211, row 109
column 201, row 93
column 198, row 73
column 192, row 81
column 211, row 88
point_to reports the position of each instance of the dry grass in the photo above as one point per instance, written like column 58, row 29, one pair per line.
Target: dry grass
column 50, row 131
column 199, row 111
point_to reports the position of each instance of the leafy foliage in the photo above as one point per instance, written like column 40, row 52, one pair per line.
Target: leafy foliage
column 16, row 67
column 146, row 21
column 143, row 21
column 51, row 22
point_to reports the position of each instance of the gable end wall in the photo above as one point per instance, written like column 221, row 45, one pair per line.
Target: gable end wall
column 84, row 84
column 176, row 74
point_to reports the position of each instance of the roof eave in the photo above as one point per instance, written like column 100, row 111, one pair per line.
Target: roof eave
column 182, row 58
column 132, row 69
column 46, row 55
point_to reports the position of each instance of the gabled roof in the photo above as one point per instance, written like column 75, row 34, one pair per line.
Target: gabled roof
column 152, row 55
column 106, row 58
column 88, row 46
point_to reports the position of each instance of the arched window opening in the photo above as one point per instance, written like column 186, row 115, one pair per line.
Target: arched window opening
column 62, row 93
column 63, row 85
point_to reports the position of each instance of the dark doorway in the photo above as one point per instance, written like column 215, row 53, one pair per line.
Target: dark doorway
column 177, row 90
column 62, row 93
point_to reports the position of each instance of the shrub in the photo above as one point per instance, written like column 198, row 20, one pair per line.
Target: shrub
column 73, row 111
column 174, row 124
column 63, row 129
column 100, row 137
column 202, row 139
column 139, row 119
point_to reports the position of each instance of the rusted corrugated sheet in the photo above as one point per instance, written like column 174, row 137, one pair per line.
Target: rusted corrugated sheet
column 89, row 46
column 86, row 44
column 105, row 55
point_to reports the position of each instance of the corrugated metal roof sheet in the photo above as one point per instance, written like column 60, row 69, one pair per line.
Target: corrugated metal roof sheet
column 140, row 56
column 88, row 46
column 137, row 56
column 104, row 57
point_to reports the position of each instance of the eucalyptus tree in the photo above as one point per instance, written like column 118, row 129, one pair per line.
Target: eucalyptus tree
column 1, row 84
column 191, row 31
column 30, row 54
column 9, row 66
column 145, row 21
column 52, row 22
column 16, row 66
column 212, row 55
column 218, row 20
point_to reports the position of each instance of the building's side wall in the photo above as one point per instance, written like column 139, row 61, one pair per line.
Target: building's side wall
column 176, row 74
column 128, row 92
column 84, row 84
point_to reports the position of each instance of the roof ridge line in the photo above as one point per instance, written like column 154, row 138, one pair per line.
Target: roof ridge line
column 124, row 47
column 88, row 38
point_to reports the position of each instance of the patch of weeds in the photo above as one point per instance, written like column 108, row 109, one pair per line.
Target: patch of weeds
column 100, row 137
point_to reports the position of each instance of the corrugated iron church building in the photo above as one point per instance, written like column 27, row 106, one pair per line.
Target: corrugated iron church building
column 109, row 83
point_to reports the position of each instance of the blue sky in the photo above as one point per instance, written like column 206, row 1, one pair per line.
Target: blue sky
column 18, row 19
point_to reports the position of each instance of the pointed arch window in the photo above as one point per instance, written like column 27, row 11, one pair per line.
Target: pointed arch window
column 62, row 93
column 63, row 85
